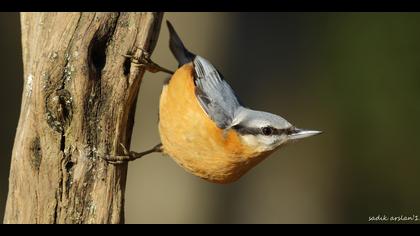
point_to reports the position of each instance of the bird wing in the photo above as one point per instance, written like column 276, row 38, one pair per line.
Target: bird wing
column 214, row 94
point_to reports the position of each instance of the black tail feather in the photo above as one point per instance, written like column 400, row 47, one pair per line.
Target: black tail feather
column 182, row 55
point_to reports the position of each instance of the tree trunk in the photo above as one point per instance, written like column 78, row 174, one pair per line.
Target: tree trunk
column 78, row 104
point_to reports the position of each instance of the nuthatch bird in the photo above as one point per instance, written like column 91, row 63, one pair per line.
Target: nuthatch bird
column 205, row 128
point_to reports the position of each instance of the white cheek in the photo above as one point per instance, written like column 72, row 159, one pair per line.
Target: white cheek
column 269, row 142
column 261, row 143
column 251, row 141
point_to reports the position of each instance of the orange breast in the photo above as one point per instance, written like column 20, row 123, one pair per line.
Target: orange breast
column 193, row 140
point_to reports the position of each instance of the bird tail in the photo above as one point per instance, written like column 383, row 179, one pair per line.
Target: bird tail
column 182, row 55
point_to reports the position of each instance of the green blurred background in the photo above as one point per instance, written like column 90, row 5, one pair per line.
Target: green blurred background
column 356, row 76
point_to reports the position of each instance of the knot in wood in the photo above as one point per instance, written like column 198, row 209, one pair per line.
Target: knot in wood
column 59, row 109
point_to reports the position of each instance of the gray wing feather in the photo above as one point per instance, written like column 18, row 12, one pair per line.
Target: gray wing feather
column 214, row 94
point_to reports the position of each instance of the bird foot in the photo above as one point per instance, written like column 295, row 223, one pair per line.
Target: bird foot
column 145, row 61
column 130, row 155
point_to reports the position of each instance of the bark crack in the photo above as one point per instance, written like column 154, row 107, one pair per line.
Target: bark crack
column 65, row 113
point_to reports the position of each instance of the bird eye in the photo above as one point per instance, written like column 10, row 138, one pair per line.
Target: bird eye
column 268, row 130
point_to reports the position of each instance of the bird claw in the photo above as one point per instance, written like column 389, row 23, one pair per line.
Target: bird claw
column 116, row 160
column 126, row 152
column 130, row 155
column 145, row 61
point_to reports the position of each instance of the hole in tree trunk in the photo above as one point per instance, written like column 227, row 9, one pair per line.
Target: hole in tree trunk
column 126, row 66
column 97, row 53
column 69, row 165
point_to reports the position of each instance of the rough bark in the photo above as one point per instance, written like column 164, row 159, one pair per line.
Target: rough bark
column 78, row 104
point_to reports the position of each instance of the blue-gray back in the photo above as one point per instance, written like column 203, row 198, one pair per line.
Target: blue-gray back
column 214, row 94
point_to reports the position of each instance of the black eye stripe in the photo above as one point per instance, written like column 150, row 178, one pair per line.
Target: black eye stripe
column 290, row 131
column 246, row 130
column 255, row 131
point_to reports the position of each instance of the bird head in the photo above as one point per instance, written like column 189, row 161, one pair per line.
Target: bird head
column 265, row 131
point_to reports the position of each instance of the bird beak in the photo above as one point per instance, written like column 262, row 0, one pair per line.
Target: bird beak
column 302, row 133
